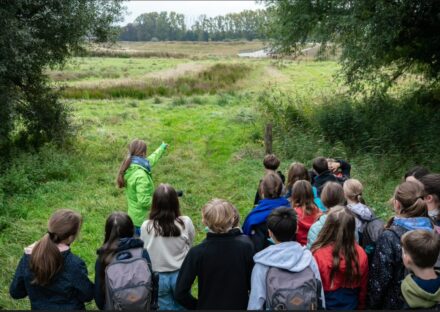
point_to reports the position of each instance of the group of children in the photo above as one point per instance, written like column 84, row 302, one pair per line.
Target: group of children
column 309, row 242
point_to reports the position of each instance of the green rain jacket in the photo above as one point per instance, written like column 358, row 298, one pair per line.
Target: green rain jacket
column 139, row 187
column 416, row 297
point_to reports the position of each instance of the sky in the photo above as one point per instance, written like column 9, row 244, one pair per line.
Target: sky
column 191, row 9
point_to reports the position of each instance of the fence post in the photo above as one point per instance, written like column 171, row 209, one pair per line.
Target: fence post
column 268, row 138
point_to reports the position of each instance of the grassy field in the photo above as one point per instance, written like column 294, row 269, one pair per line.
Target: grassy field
column 215, row 137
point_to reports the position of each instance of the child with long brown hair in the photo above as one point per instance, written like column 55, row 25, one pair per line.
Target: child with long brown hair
column 387, row 270
column 49, row 273
column 167, row 236
column 119, row 244
column 305, row 208
column 135, row 175
column 297, row 172
column 332, row 195
column 342, row 263
column 255, row 223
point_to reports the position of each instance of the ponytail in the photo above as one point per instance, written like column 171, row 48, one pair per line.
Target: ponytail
column 124, row 166
column 46, row 259
column 136, row 148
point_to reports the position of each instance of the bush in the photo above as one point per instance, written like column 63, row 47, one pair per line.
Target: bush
column 409, row 125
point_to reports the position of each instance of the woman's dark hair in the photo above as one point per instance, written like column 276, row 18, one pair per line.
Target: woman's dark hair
column 118, row 225
column 136, row 148
column 271, row 186
column 431, row 182
column 46, row 259
column 417, row 172
column 297, row 171
column 302, row 197
column 282, row 223
column 338, row 231
column 332, row 195
column 165, row 211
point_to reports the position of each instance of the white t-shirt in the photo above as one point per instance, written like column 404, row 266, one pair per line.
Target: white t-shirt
column 168, row 253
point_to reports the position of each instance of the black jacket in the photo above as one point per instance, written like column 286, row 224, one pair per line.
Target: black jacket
column 387, row 271
column 223, row 265
column 319, row 181
column 124, row 244
column 68, row 290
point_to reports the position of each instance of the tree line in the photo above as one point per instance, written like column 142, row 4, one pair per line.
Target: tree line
column 164, row 26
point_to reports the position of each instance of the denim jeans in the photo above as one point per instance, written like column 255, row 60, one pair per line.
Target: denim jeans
column 167, row 286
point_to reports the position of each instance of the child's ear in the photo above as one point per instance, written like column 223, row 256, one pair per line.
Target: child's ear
column 396, row 205
column 429, row 198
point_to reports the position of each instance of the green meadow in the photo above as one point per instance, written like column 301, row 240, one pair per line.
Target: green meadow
column 211, row 112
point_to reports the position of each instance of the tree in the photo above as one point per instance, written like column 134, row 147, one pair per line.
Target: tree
column 37, row 34
column 379, row 40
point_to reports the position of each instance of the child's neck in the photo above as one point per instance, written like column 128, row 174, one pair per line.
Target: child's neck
column 269, row 170
column 425, row 273
column 351, row 202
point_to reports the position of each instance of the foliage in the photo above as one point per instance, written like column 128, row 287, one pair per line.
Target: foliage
column 380, row 40
column 34, row 35
column 162, row 26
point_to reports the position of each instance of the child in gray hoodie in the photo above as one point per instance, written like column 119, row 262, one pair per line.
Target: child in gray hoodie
column 286, row 256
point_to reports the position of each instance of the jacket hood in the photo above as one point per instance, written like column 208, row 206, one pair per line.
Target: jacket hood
column 126, row 243
column 361, row 211
column 418, row 223
column 61, row 247
column 133, row 168
column 288, row 256
column 416, row 297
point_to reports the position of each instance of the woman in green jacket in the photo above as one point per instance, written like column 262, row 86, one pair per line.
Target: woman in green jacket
column 135, row 175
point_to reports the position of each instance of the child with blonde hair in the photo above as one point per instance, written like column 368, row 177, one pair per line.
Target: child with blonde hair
column 353, row 194
column 222, row 263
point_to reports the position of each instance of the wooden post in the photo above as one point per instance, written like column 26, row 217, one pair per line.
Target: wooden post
column 268, row 138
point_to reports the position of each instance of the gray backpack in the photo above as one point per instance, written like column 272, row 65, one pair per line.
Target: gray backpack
column 128, row 282
column 293, row 290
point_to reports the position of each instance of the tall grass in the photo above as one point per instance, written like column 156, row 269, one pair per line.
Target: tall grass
column 218, row 77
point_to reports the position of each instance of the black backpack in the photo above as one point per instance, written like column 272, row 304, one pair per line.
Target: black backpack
column 370, row 232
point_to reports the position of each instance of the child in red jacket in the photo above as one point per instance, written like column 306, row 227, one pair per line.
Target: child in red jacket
column 302, row 201
column 342, row 263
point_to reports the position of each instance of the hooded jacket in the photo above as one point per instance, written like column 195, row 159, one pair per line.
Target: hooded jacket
column 68, row 290
column 363, row 214
column 387, row 270
column 255, row 223
column 288, row 256
column 139, row 186
column 124, row 244
column 416, row 297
